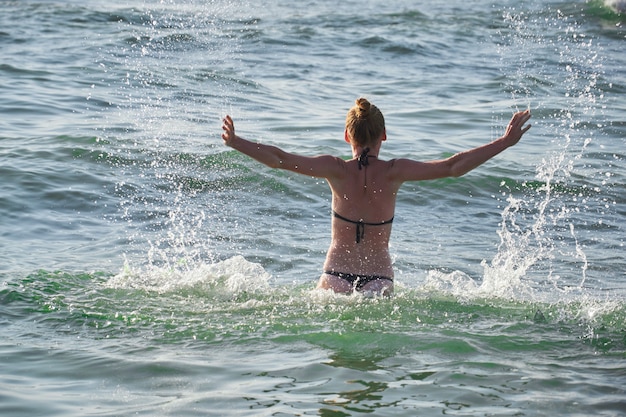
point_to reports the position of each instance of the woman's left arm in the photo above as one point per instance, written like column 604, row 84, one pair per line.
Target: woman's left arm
column 325, row 166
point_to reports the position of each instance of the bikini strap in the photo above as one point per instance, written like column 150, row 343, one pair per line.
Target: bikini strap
column 363, row 160
column 360, row 225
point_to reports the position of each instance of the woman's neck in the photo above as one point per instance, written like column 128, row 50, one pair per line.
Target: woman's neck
column 358, row 150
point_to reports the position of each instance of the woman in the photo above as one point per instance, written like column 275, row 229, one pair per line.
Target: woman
column 364, row 191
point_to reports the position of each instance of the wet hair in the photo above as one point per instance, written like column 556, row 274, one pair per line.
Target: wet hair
column 364, row 123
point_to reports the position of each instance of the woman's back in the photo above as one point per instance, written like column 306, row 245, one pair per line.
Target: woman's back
column 363, row 209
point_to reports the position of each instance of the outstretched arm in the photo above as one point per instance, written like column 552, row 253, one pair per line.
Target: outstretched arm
column 325, row 166
column 463, row 162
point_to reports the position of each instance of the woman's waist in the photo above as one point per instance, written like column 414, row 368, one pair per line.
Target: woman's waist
column 343, row 261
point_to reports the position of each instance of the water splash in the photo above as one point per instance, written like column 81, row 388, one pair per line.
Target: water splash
column 174, row 63
column 540, row 247
column 618, row 6
column 226, row 279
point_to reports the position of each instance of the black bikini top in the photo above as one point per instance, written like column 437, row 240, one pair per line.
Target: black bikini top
column 360, row 225
column 363, row 161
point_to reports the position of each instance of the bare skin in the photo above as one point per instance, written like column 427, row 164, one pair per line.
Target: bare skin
column 369, row 195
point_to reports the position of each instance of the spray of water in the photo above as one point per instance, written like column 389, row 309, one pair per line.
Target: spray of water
column 175, row 64
column 539, row 230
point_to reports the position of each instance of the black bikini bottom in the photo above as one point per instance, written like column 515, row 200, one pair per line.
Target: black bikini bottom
column 358, row 281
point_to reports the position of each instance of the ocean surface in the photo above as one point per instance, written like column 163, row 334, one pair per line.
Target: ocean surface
column 148, row 270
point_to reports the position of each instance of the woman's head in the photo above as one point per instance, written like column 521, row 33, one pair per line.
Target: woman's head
column 365, row 124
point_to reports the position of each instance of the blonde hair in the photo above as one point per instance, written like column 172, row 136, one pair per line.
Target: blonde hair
column 364, row 123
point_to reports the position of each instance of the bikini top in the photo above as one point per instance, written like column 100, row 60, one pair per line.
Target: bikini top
column 360, row 225
column 363, row 161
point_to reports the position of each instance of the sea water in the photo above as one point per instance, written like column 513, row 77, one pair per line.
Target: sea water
column 146, row 269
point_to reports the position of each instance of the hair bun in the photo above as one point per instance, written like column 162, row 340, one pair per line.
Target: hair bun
column 365, row 123
column 363, row 107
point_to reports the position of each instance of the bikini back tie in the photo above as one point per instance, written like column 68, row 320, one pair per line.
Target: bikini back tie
column 363, row 160
column 360, row 225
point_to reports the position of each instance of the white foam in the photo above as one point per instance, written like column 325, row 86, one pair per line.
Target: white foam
column 232, row 276
column 618, row 6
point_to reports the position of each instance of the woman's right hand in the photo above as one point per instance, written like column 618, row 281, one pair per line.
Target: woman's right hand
column 516, row 129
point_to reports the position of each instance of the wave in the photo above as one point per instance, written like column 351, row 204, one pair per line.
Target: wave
column 610, row 13
column 618, row 6
column 241, row 287
column 237, row 301
column 289, row 345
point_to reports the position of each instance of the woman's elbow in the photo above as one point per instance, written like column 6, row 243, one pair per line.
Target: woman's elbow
column 452, row 168
column 275, row 163
column 276, row 159
column 456, row 173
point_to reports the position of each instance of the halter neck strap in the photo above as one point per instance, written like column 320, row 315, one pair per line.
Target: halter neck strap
column 363, row 160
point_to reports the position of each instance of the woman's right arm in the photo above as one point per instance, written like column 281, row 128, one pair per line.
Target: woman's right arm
column 462, row 162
